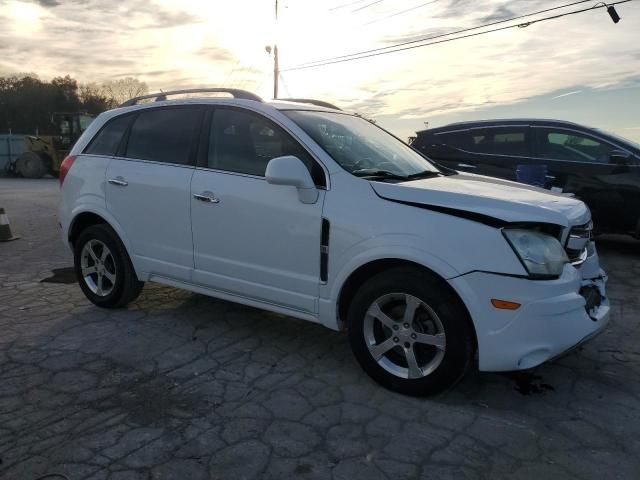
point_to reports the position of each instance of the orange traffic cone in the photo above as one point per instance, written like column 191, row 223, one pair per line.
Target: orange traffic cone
column 5, row 228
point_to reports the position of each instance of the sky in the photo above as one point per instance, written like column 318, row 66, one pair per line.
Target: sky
column 582, row 68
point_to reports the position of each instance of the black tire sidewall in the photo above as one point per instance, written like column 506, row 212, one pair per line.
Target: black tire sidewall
column 451, row 312
column 106, row 236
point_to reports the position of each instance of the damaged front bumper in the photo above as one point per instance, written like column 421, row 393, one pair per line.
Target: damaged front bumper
column 555, row 315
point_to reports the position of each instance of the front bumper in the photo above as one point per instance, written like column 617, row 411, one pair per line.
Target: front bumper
column 552, row 317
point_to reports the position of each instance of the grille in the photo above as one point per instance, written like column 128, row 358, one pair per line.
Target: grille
column 578, row 241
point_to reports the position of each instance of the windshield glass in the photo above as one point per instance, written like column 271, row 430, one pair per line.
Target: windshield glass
column 359, row 146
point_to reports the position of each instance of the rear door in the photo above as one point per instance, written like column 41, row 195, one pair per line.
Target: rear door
column 148, row 189
column 580, row 163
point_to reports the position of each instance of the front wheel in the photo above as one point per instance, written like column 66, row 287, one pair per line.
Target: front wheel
column 103, row 268
column 410, row 333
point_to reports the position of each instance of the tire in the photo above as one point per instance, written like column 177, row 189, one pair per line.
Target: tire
column 31, row 165
column 109, row 279
column 439, row 335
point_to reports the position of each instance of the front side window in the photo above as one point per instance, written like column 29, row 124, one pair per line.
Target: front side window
column 106, row 142
column 359, row 146
column 245, row 142
column 163, row 135
column 570, row 146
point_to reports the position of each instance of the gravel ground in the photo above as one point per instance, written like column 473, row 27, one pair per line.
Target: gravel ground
column 182, row 386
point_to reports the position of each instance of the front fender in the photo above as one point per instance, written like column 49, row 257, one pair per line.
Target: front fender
column 384, row 247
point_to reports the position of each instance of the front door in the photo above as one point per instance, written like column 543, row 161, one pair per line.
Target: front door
column 148, row 190
column 251, row 238
column 579, row 163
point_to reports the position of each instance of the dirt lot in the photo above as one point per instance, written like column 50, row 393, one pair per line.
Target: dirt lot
column 182, row 386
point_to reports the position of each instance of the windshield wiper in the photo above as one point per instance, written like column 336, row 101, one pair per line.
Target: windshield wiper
column 424, row 174
column 374, row 173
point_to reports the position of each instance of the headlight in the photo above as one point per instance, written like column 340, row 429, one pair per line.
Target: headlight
column 540, row 253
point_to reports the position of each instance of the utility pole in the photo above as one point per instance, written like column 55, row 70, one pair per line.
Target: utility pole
column 276, row 71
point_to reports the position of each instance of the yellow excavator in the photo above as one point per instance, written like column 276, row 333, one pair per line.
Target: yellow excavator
column 44, row 153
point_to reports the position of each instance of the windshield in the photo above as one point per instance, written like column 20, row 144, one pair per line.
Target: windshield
column 360, row 147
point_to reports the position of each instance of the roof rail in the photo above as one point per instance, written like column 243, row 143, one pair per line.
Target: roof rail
column 161, row 96
column 319, row 103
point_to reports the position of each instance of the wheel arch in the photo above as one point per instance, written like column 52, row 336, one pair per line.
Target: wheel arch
column 360, row 275
column 85, row 218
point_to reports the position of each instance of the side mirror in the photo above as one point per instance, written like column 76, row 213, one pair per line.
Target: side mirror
column 289, row 170
column 619, row 157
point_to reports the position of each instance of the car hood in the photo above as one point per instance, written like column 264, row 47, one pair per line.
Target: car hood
column 480, row 197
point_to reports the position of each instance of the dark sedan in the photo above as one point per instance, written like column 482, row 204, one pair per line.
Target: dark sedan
column 601, row 169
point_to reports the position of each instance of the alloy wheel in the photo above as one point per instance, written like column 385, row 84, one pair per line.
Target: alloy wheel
column 98, row 267
column 404, row 335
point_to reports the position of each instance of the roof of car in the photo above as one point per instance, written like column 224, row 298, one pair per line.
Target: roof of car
column 502, row 121
column 195, row 95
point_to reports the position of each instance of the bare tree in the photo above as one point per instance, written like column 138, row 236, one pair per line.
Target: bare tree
column 123, row 89
column 94, row 98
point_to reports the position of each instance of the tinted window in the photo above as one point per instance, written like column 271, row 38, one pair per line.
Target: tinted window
column 566, row 145
column 163, row 135
column 244, row 142
column 491, row 141
column 109, row 137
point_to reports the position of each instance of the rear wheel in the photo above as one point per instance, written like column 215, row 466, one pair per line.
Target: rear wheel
column 31, row 165
column 103, row 268
column 410, row 333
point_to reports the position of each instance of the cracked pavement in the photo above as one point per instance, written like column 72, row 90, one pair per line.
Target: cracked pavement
column 180, row 385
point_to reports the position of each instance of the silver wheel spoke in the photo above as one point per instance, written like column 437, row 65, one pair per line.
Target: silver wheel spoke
column 438, row 340
column 94, row 257
column 99, row 285
column 410, row 311
column 105, row 254
column 379, row 350
column 110, row 276
column 414, row 369
column 88, row 270
column 375, row 312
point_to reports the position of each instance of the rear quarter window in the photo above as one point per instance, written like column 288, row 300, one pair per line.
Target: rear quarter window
column 108, row 139
column 163, row 135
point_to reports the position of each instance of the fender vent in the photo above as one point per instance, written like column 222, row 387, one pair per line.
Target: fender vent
column 324, row 250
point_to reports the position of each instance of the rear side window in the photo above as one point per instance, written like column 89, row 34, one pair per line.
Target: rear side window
column 163, row 135
column 490, row 141
column 108, row 139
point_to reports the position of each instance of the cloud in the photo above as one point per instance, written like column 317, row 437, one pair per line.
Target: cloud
column 48, row 3
column 566, row 94
column 500, row 13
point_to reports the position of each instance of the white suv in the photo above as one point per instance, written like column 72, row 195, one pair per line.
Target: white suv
column 306, row 210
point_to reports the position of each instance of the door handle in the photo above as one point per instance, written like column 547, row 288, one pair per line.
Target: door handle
column 206, row 197
column 121, row 182
column 466, row 165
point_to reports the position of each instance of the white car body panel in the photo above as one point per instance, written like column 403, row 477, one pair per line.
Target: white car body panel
column 261, row 246
column 154, row 210
column 502, row 199
column 259, row 241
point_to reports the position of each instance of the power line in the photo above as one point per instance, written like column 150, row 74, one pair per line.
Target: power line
column 401, row 12
column 367, row 6
column 521, row 25
column 345, row 5
column 424, row 39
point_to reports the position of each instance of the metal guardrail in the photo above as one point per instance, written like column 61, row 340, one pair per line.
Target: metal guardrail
column 11, row 145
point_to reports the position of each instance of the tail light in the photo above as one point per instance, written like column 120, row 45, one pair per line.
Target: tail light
column 65, row 166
